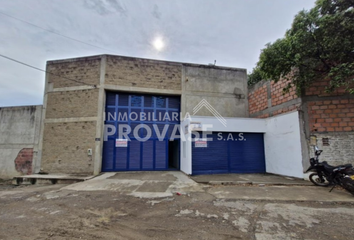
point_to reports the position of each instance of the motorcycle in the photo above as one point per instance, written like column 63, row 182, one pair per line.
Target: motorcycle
column 326, row 175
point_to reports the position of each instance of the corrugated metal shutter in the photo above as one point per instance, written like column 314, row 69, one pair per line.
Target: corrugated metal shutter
column 134, row 157
column 212, row 159
column 230, row 153
column 160, row 154
column 108, row 154
column 148, row 155
column 151, row 154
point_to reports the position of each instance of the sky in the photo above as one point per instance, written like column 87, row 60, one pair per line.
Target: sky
column 232, row 32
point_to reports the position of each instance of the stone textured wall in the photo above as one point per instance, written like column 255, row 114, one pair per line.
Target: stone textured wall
column 144, row 73
column 69, row 124
column 65, row 147
column 83, row 70
column 70, row 104
column 267, row 99
column 340, row 149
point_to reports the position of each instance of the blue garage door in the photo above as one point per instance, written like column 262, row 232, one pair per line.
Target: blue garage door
column 229, row 153
column 140, row 113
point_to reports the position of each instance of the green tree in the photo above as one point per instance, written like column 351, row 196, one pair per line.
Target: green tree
column 254, row 77
column 319, row 45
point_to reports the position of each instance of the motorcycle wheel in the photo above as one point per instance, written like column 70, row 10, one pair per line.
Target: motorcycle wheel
column 315, row 179
column 348, row 184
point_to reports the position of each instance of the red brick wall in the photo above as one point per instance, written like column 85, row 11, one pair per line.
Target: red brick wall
column 266, row 115
column 330, row 121
column 291, row 108
column 318, row 88
column 331, row 112
column 257, row 100
column 23, row 161
column 278, row 95
column 331, row 115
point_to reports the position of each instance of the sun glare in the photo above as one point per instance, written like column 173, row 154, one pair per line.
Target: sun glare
column 158, row 44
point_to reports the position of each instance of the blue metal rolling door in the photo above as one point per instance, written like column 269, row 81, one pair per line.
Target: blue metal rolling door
column 149, row 155
column 230, row 153
column 212, row 159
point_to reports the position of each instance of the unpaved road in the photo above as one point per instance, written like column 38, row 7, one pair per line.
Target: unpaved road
column 45, row 212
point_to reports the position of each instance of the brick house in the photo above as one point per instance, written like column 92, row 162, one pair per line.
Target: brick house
column 327, row 118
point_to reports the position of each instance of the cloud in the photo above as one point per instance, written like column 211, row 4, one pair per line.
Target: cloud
column 118, row 6
column 198, row 31
column 155, row 12
column 105, row 7
column 97, row 5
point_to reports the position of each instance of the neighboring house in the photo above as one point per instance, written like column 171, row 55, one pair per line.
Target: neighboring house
column 327, row 119
column 92, row 105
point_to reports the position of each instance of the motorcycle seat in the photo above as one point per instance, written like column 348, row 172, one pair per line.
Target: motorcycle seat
column 330, row 167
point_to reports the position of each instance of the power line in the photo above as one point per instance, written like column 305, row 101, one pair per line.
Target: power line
column 53, row 32
column 27, row 65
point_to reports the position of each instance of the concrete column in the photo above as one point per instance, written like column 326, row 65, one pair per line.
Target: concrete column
column 38, row 157
column 37, row 138
column 97, row 158
column 183, row 94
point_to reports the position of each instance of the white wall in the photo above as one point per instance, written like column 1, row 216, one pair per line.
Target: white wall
column 186, row 148
column 232, row 124
column 283, row 145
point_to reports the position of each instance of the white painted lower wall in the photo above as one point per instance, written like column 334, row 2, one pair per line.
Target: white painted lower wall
column 282, row 142
column 186, row 147
column 232, row 124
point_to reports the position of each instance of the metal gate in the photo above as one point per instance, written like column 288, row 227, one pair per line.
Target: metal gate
column 139, row 149
column 229, row 153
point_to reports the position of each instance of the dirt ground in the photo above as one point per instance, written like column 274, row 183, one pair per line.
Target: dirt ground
column 46, row 212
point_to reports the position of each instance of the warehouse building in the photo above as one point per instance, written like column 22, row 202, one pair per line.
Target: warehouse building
column 113, row 113
column 80, row 91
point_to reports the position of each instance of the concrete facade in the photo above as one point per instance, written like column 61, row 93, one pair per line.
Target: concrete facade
column 19, row 138
column 223, row 88
column 74, row 101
